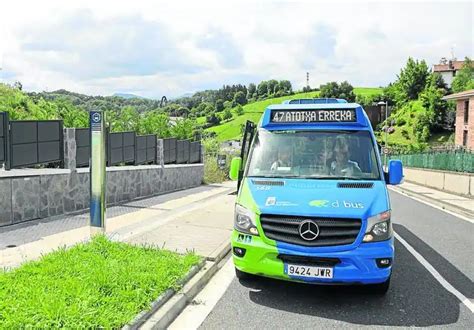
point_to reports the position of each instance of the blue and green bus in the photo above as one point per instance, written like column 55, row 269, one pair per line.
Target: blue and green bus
column 312, row 201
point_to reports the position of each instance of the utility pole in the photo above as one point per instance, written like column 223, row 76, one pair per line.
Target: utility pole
column 307, row 80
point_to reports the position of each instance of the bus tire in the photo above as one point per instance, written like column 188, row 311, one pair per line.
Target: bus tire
column 380, row 288
column 242, row 275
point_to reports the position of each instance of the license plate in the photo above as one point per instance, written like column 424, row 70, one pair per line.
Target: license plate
column 309, row 271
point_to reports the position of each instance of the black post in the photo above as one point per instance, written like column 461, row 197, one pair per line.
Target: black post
column 6, row 132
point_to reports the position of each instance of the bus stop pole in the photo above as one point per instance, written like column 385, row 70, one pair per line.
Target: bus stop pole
column 97, row 172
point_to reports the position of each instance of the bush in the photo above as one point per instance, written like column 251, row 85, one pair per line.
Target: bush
column 212, row 172
column 405, row 134
column 239, row 110
column 227, row 114
column 400, row 121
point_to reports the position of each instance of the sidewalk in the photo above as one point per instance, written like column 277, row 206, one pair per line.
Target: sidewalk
column 174, row 221
column 456, row 203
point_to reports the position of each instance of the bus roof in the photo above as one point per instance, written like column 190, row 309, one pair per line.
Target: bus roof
column 315, row 116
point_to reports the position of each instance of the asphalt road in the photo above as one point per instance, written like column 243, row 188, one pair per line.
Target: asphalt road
column 416, row 297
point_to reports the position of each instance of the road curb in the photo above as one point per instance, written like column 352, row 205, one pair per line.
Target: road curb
column 171, row 303
column 162, row 299
column 434, row 201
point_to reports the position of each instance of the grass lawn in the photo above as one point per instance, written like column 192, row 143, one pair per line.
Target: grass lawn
column 91, row 285
column 253, row 111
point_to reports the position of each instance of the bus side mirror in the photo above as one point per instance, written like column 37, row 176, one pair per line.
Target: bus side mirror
column 235, row 168
column 395, row 172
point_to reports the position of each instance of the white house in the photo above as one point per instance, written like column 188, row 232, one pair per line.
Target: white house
column 448, row 69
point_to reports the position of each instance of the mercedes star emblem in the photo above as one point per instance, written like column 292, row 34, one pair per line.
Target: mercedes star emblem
column 308, row 230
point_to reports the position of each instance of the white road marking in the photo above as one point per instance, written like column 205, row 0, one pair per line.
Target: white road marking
column 468, row 303
column 410, row 195
column 194, row 314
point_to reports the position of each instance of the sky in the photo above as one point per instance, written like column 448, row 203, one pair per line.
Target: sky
column 156, row 48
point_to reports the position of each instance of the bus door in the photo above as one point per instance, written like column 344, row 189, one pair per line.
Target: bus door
column 247, row 137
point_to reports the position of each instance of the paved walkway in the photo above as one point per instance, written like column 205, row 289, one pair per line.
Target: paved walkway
column 174, row 221
column 441, row 198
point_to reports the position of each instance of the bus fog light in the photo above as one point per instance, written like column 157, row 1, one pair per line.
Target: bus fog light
column 384, row 262
column 239, row 252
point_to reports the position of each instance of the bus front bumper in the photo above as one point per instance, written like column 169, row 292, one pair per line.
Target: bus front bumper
column 356, row 266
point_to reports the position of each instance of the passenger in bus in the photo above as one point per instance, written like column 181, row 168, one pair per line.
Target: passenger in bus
column 341, row 164
column 283, row 158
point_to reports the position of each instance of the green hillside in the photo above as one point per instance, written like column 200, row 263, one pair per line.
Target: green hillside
column 230, row 130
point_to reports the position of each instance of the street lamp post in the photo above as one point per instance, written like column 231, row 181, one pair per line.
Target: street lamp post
column 386, row 129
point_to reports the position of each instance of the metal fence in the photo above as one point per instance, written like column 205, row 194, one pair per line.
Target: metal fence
column 145, row 149
column 3, row 138
column 35, row 142
column 182, row 151
column 31, row 142
column 120, row 148
column 83, row 147
column 195, row 152
column 449, row 160
column 169, row 151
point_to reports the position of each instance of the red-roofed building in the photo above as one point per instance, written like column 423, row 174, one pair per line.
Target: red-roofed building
column 448, row 69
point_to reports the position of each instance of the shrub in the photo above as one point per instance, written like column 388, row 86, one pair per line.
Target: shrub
column 405, row 134
column 239, row 110
column 212, row 172
column 400, row 121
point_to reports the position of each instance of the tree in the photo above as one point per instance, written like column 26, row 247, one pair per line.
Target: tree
column 239, row 110
column 346, row 91
column 412, row 80
column 251, row 89
column 209, row 109
column 271, row 86
column 183, row 128
column 464, row 79
column 18, row 85
column 127, row 120
column 334, row 90
column 285, row 86
column 432, row 101
column 262, row 89
column 155, row 122
column 219, row 105
column 240, row 98
column 227, row 114
column 213, row 119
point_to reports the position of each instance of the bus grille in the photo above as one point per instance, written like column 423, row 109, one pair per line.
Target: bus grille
column 332, row 231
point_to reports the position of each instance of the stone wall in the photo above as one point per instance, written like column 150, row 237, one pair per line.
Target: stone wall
column 33, row 194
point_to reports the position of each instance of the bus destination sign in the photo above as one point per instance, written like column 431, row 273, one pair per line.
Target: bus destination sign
column 313, row 116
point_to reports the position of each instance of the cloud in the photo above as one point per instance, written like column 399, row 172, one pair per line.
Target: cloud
column 153, row 48
column 86, row 47
column 227, row 52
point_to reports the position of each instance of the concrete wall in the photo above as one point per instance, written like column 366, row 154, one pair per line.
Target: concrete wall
column 31, row 194
column 458, row 183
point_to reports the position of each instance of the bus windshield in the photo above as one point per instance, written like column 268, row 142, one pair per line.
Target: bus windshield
column 314, row 155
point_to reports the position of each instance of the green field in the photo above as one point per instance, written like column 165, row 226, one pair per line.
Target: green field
column 96, row 285
column 253, row 111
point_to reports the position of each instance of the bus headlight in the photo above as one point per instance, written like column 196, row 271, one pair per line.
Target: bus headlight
column 244, row 220
column 379, row 228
